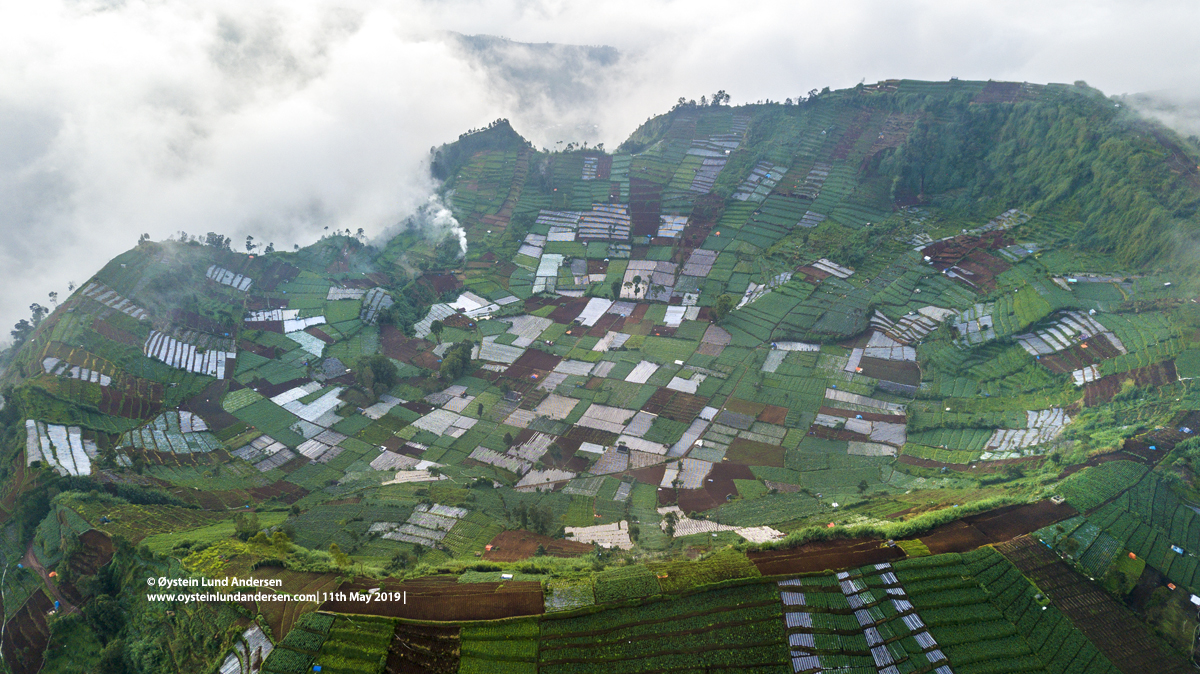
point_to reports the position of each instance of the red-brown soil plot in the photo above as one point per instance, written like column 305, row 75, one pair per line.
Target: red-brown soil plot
column 513, row 546
column 423, row 649
column 282, row 615
column 445, row 599
column 1103, row 389
column 824, row 556
column 901, row 372
column 718, row 487
column 675, row 405
column 1078, row 356
column 26, row 635
column 995, row 526
column 396, row 345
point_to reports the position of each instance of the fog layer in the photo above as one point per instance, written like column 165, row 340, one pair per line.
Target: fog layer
column 278, row 119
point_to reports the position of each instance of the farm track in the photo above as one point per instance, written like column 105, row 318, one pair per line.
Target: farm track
column 32, row 561
column 1117, row 632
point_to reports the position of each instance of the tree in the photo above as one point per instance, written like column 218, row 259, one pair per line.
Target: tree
column 448, row 253
column 542, row 519
column 1071, row 545
column 281, row 542
column 105, row 616
column 634, row 285
column 725, row 304
column 376, row 373
column 245, row 525
column 508, row 439
column 1013, row 472
column 616, row 290
column 523, row 514
column 436, row 328
column 21, row 331
column 250, row 245
column 340, row 558
column 39, row 312
column 456, row 361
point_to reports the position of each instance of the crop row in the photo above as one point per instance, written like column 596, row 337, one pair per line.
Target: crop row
column 664, row 610
column 1093, row 486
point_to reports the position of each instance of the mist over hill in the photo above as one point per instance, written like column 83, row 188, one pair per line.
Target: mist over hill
column 882, row 377
column 280, row 119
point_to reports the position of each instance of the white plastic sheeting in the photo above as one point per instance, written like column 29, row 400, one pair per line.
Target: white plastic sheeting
column 606, row 418
column 225, row 277
column 60, row 447
column 1070, row 328
column 1086, row 375
column 109, row 298
column 62, row 368
column 177, row 354
column 1041, row 427
column 614, row 535
column 596, row 307
column 642, row 372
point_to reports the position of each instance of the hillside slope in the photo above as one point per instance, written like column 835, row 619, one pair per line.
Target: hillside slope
column 754, row 391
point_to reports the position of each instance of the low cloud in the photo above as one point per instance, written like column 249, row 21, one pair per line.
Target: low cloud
column 278, row 119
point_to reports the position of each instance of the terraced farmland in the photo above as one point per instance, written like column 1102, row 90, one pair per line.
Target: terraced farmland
column 759, row 391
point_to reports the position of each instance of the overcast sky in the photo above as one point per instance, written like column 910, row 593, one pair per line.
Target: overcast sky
column 279, row 118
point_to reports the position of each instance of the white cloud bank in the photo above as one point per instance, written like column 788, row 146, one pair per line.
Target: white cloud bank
column 279, row 118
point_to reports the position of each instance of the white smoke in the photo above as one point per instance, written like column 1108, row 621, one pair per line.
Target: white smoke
column 433, row 221
column 436, row 222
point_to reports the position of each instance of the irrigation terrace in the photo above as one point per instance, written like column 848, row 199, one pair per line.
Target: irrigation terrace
column 897, row 379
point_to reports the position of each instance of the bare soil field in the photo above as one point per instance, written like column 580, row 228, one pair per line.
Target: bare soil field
column 995, row 526
column 445, row 599
column 513, row 546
